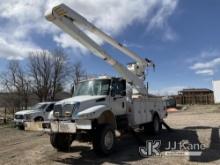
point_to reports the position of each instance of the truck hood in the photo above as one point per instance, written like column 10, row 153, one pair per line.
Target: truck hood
column 80, row 99
column 27, row 112
column 83, row 102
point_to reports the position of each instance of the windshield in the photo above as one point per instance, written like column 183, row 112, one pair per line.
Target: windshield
column 39, row 106
column 93, row 87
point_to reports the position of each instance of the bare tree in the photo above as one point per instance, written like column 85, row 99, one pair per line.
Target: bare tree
column 60, row 72
column 17, row 84
column 48, row 70
column 77, row 74
column 40, row 67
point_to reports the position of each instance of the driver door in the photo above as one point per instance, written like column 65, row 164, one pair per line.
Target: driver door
column 118, row 96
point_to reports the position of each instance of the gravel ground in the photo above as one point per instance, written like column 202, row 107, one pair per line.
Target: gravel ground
column 196, row 125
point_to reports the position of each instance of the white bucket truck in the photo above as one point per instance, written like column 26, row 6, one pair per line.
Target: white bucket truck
column 103, row 105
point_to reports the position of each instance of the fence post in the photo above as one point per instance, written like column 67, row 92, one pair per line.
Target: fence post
column 5, row 120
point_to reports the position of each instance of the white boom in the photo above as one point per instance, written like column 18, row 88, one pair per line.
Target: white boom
column 71, row 22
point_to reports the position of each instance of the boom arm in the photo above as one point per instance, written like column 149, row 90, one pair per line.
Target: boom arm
column 70, row 21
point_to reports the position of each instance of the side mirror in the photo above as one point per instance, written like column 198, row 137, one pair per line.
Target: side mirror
column 72, row 90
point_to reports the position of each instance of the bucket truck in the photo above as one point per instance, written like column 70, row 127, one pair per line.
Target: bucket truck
column 102, row 105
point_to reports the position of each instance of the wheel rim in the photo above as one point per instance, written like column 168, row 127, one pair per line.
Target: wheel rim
column 156, row 124
column 109, row 140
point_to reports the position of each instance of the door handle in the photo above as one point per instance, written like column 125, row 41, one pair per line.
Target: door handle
column 123, row 104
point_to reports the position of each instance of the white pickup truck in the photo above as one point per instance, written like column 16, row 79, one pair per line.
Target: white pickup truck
column 39, row 112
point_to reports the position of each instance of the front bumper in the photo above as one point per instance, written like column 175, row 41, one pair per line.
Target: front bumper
column 19, row 122
column 67, row 126
column 62, row 127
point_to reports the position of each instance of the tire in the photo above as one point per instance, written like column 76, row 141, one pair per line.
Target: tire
column 39, row 119
column 104, row 140
column 21, row 127
column 154, row 127
column 61, row 141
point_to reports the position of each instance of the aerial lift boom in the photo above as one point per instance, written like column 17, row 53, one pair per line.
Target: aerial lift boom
column 71, row 22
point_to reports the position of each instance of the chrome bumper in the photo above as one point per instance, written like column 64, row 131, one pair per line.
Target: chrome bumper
column 19, row 122
column 62, row 127
column 68, row 127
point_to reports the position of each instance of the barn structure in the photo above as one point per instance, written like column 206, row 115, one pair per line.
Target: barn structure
column 195, row 96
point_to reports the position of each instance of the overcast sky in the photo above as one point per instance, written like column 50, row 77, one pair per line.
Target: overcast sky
column 181, row 37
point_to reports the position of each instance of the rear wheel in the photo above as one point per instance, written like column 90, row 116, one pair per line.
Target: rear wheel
column 61, row 141
column 154, row 127
column 104, row 140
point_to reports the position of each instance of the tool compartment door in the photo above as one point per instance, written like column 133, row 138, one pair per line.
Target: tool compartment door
column 139, row 112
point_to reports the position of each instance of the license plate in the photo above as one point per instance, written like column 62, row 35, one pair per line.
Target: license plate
column 18, row 123
column 64, row 127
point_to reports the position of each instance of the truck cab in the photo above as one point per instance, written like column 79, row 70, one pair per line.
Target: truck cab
column 93, row 97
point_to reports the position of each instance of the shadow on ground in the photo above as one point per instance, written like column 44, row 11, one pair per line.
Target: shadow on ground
column 128, row 146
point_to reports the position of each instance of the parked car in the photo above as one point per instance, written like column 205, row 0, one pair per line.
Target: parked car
column 39, row 112
column 170, row 102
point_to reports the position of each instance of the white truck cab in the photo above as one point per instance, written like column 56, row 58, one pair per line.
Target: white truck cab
column 38, row 112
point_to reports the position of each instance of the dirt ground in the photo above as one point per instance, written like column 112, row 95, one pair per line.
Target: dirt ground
column 196, row 125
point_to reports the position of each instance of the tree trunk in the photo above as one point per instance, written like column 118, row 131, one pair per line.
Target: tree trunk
column 5, row 118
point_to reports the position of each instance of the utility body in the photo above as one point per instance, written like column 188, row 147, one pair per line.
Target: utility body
column 103, row 105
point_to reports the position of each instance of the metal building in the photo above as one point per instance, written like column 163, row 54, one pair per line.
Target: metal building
column 216, row 89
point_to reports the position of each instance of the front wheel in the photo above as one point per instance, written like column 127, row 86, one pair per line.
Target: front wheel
column 38, row 119
column 104, row 140
column 61, row 141
column 21, row 127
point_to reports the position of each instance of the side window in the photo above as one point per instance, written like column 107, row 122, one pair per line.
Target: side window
column 119, row 87
column 122, row 87
column 50, row 108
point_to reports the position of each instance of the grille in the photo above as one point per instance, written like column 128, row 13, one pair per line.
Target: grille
column 58, row 110
column 19, row 116
column 62, row 111
column 68, row 107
